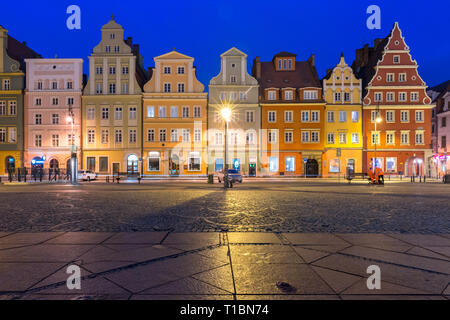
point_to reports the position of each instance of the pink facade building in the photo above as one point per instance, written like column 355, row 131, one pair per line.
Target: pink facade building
column 52, row 114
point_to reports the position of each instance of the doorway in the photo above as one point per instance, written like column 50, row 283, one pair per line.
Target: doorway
column 312, row 168
column 132, row 165
column 174, row 165
column 252, row 169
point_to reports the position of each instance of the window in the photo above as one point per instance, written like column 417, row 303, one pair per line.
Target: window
column 150, row 111
column 337, row 96
column 390, row 96
column 390, row 77
column 378, row 96
column 150, row 135
column 2, row 135
column 125, row 87
column 233, row 79
column 404, row 137
column 443, row 122
column 250, row 137
column 167, row 70
column 174, row 135
column 288, row 136
column 99, row 70
column 346, row 96
column 242, row 95
column 91, row 114
column 194, row 161
column 391, row 164
column 273, row 164
column 314, row 136
column 234, row 138
column 355, row 116
column 375, row 137
column 342, row 138
column 174, row 112
column 310, row 95
column 330, row 138
column 38, row 140
column 12, row 135
column 180, row 70
column 233, row 96
column 249, row 116
column 402, row 77
column 105, row 136
column 218, row 138
column 443, row 141
column 99, row 88
column 90, row 161
column 419, row 116
column 38, row 119
column 419, row 137
column 38, row 102
column 39, row 85
column 271, row 116
column 112, row 36
column 404, row 116
column 272, row 95
column 289, row 163
column 355, row 138
column 6, row 84
column 154, row 161
column 305, row 116
column 186, row 135
column 181, row 87
column 55, row 101
column 132, row 113
column 289, row 64
column 105, row 113
column 55, row 118
column 125, row 70
column 118, row 136
column 167, row 87
column 223, row 96
column 390, row 116
column 414, row 96
column 197, row 111
column 390, row 137
column 103, row 164
column 112, row 70
column 279, row 64
column 12, row 108
column 315, row 116
column 162, row 111
column 288, row 116
column 272, row 136
column 342, row 116
column 91, row 136
column 396, row 59
column 112, row 88
column 185, row 112
column 132, row 136
column 118, row 113
column 55, row 140
column 330, row 116
column 305, row 136
column 162, row 135
column 402, row 96
column 288, row 95
column 284, row 64
column 54, row 85
column 197, row 135
column 69, row 85
column 70, row 101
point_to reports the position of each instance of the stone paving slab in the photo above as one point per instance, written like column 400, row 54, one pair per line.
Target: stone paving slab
column 221, row 265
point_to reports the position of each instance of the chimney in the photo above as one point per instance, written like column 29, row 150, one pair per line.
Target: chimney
column 311, row 60
column 129, row 41
column 135, row 49
column 256, row 69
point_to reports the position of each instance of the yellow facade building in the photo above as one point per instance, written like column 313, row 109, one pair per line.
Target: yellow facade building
column 174, row 119
column 112, row 105
column 343, row 121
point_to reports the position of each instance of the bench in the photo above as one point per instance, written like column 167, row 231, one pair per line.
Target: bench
column 357, row 175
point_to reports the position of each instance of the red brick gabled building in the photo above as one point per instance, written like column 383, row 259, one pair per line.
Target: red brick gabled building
column 394, row 91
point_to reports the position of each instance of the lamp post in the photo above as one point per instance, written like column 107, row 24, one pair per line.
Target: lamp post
column 226, row 115
column 73, row 151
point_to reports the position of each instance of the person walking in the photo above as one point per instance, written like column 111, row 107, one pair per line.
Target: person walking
column 41, row 174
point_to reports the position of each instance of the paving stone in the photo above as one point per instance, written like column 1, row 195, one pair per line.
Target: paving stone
column 28, row 238
column 59, row 277
column 249, row 254
column 181, row 297
column 287, row 297
column 219, row 253
column 315, row 239
column 22, row 276
column 310, row 255
column 447, row 290
column 104, row 266
column 185, row 286
column 44, row 253
column 430, row 253
column 219, row 277
column 263, row 279
column 421, row 280
column 338, row 281
column 400, row 258
column 136, row 238
column 325, row 248
column 75, row 297
column 392, row 297
column 360, row 287
column 423, row 239
column 443, row 251
column 81, row 238
column 203, row 238
column 379, row 241
column 252, row 237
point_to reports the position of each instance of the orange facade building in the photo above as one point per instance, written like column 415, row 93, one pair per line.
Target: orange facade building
column 292, row 111
column 394, row 92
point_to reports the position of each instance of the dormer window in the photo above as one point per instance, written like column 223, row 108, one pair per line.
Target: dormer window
column 288, row 95
column 284, row 64
column 290, row 64
column 279, row 64
column 310, row 95
column 272, row 95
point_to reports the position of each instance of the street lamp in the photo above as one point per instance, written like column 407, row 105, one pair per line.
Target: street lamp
column 377, row 120
column 73, row 151
column 226, row 115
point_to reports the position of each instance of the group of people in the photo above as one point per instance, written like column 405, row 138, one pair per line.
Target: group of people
column 37, row 173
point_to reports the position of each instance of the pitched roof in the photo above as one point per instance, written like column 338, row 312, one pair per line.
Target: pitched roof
column 233, row 52
column 285, row 54
column 444, row 86
column 19, row 51
column 303, row 76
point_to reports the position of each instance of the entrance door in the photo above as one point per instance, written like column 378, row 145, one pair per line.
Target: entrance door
column 54, row 164
column 312, row 168
column 252, row 170
column 174, row 165
column 132, row 165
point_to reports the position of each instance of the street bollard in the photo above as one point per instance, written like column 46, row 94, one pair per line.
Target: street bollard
column 139, row 180
column 424, row 179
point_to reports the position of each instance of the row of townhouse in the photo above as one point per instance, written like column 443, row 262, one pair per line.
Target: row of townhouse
column 160, row 121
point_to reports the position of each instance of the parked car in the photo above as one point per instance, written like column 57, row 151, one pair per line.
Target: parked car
column 233, row 174
column 87, row 175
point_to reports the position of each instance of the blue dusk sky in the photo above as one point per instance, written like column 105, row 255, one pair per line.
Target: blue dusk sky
column 204, row 29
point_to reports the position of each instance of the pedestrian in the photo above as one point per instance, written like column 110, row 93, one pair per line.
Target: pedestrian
column 50, row 171
column 41, row 174
column 25, row 172
column 10, row 174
